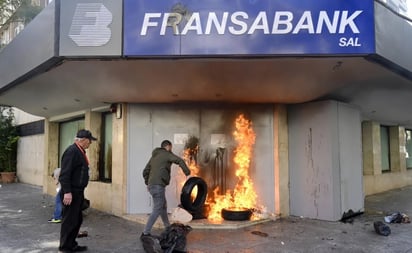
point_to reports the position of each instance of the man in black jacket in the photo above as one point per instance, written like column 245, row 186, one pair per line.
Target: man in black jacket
column 74, row 177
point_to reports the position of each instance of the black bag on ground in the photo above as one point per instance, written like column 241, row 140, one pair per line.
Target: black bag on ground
column 174, row 238
column 151, row 244
column 381, row 228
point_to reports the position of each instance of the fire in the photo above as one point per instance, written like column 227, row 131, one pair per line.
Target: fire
column 191, row 163
column 244, row 195
column 189, row 155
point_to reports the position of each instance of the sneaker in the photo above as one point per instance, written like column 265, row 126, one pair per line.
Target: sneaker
column 144, row 235
column 54, row 220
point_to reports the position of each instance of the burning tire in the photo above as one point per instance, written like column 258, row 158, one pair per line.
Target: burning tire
column 185, row 196
column 236, row 214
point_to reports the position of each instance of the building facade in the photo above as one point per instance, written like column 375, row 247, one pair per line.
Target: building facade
column 325, row 86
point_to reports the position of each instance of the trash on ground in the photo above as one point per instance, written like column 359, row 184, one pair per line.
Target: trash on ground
column 151, row 244
column 397, row 217
column 82, row 234
column 348, row 216
column 180, row 215
column 173, row 239
column 259, row 233
column 381, row 228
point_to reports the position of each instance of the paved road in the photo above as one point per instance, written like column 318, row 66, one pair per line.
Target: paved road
column 24, row 212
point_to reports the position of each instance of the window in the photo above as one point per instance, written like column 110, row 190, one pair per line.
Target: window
column 385, row 149
column 408, row 148
column 105, row 168
column 67, row 133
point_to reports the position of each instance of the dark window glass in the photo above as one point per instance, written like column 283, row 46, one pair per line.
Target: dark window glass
column 385, row 149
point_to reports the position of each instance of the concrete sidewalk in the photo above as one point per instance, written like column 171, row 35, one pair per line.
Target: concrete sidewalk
column 24, row 212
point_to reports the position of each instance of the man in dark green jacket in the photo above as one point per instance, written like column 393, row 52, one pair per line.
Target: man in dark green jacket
column 156, row 176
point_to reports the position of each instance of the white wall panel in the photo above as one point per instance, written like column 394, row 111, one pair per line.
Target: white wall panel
column 325, row 160
column 30, row 163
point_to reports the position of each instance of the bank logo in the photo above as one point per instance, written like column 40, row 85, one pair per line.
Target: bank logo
column 90, row 25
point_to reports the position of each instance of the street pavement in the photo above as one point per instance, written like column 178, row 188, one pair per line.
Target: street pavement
column 24, row 211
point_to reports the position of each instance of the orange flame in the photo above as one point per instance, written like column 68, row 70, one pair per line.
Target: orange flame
column 194, row 168
column 191, row 163
column 244, row 195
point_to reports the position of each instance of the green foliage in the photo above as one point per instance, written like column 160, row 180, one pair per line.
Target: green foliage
column 8, row 140
column 17, row 10
column 7, row 8
column 27, row 12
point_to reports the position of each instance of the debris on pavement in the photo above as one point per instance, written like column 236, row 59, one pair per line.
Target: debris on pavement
column 348, row 216
column 397, row 217
column 405, row 218
column 180, row 215
column 151, row 244
column 82, row 234
column 255, row 232
column 173, row 239
column 381, row 228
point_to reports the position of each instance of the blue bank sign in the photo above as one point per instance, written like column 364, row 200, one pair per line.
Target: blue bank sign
column 248, row 27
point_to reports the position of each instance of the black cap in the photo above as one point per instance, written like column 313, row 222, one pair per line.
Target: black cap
column 85, row 134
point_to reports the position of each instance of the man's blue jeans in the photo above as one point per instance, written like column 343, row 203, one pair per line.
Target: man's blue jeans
column 57, row 215
column 158, row 193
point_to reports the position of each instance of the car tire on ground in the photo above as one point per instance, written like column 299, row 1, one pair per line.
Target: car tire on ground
column 236, row 214
column 185, row 196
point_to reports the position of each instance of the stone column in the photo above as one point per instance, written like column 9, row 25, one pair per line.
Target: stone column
column 51, row 155
column 371, row 148
column 281, row 155
column 93, row 122
column 119, row 165
column 397, row 148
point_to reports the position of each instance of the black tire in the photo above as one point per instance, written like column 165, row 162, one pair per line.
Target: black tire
column 236, row 215
column 185, row 196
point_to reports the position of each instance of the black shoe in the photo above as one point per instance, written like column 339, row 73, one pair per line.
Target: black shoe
column 79, row 248
column 144, row 235
column 64, row 250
